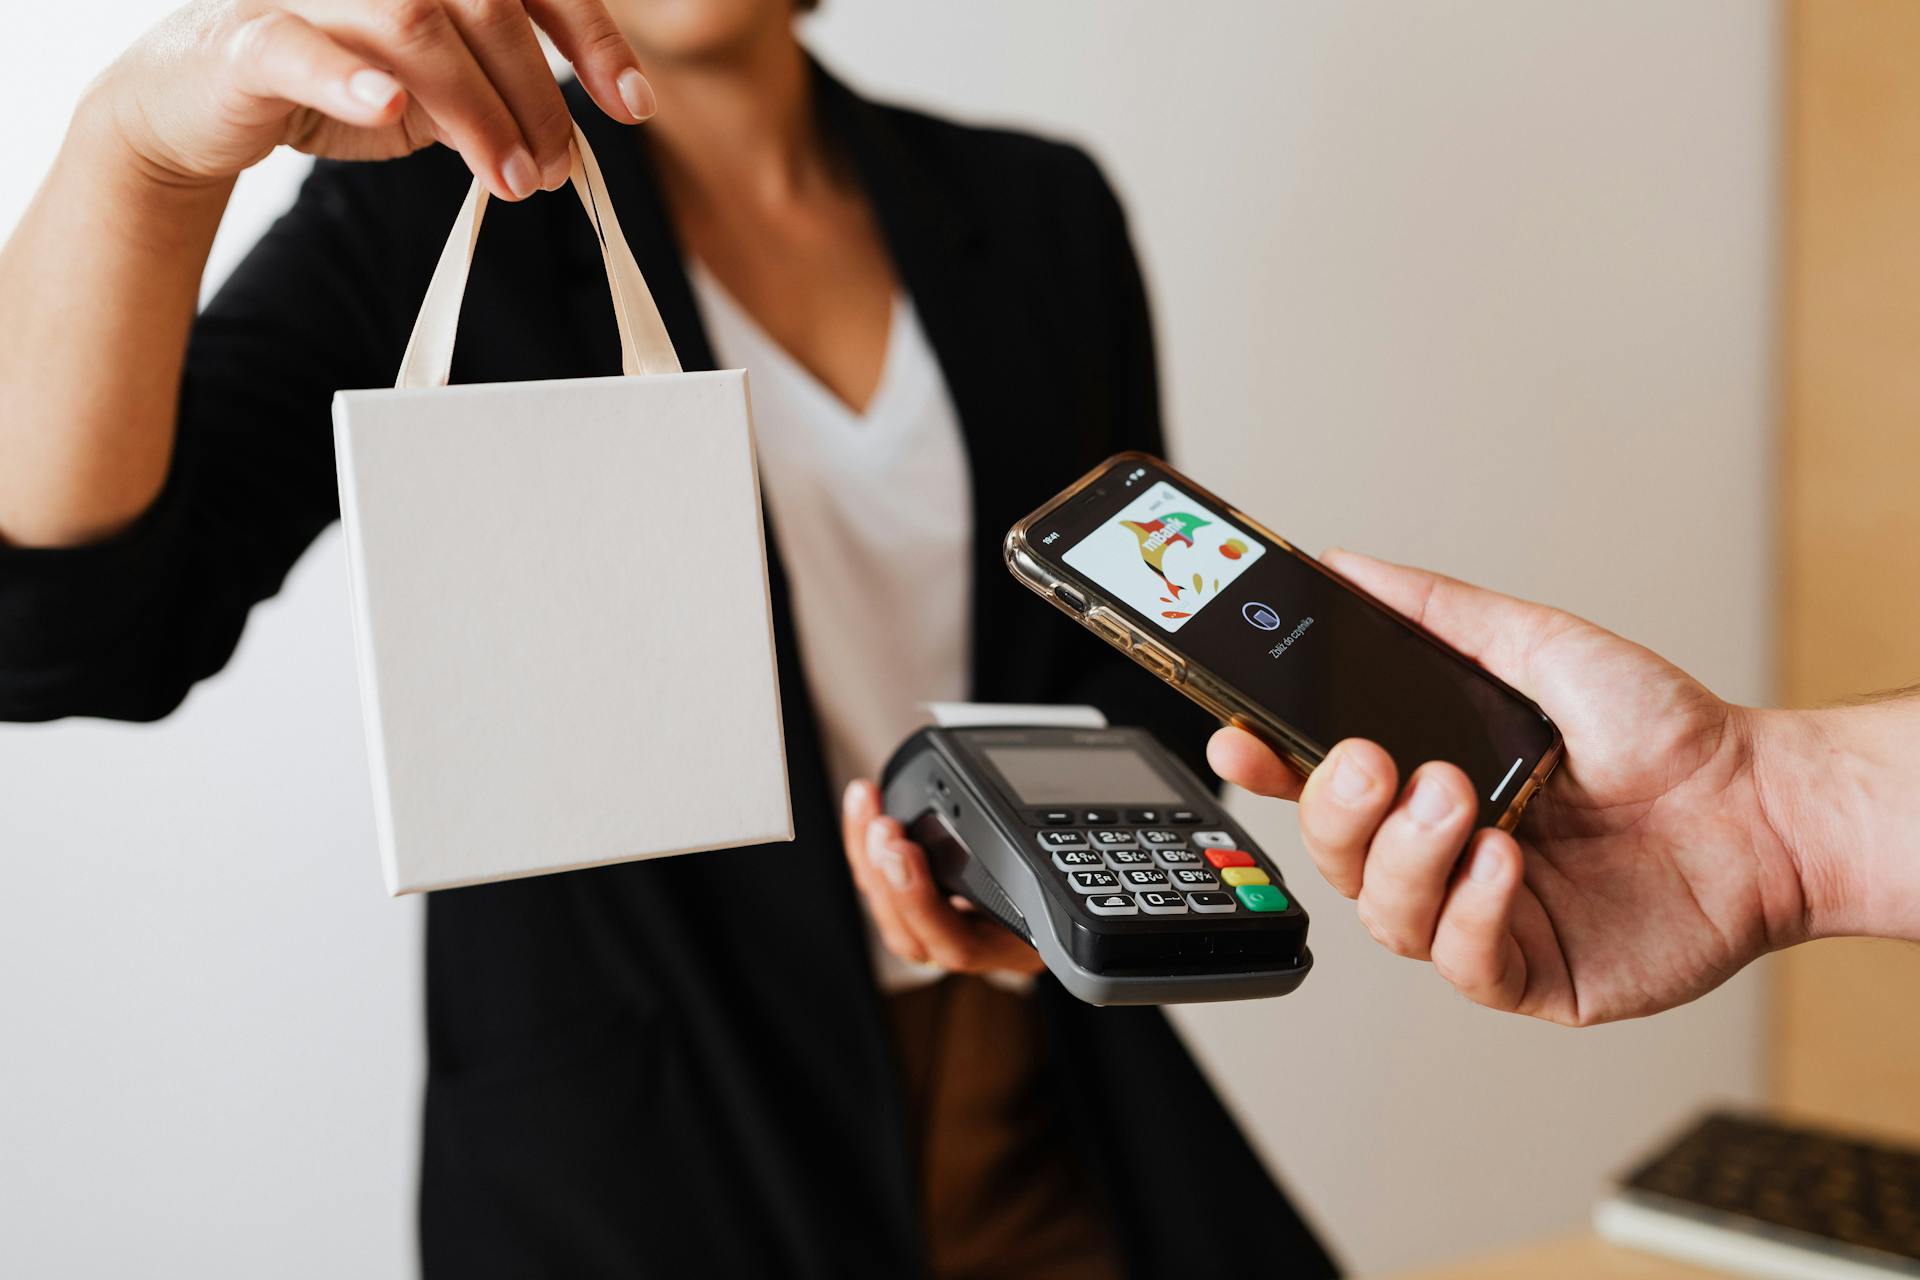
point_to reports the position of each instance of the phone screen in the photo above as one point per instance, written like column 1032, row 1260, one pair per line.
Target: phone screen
column 1316, row 655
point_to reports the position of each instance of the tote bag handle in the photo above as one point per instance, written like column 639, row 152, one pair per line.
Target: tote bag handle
column 644, row 345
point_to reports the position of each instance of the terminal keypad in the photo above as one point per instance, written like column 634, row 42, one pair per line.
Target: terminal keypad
column 1152, row 870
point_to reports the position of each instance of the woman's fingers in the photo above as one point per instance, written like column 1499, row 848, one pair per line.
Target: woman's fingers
column 1001, row 950
column 278, row 57
column 588, row 38
column 1411, row 859
column 865, row 840
column 916, row 920
column 957, row 943
column 429, row 55
column 502, row 40
column 895, row 863
column 1474, row 947
column 1251, row 764
column 474, row 69
column 1341, row 807
column 859, row 806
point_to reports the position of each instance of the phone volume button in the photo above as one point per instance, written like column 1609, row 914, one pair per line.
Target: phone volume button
column 1069, row 597
column 1157, row 660
column 1107, row 629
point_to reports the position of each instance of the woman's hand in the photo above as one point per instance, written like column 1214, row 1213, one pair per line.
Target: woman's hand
column 1645, row 874
column 220, row 83
column 916, row 921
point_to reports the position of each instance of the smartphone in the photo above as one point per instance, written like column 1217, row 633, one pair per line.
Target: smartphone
column 1267, row 638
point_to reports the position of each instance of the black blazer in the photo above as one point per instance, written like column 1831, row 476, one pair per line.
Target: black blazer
column 628, row 1073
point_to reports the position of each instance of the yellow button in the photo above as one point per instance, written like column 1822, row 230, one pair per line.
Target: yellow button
column 1244, row 875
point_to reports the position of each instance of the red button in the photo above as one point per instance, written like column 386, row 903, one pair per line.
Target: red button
column 1229, row 858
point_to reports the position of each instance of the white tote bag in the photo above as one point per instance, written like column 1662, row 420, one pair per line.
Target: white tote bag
column 560, row 600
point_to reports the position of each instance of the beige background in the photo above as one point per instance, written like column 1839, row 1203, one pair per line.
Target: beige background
column 1481, row 284
column 1847, row 1046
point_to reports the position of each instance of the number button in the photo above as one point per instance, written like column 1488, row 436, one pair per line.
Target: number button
column 1156, row 903
column 1078, row 860
column 1211, row 903
column 1124, row 859
column 1229, row 858
column 1162, row 839
column 1093, row 881
column 1171, row 858
column 1113, row 840
column 1143, row 880
column 1214, row 839
column 1112, row 904
column 1057, row 839
column 1193, row 878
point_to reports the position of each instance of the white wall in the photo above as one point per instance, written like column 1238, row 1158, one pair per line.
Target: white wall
column 1480, row 285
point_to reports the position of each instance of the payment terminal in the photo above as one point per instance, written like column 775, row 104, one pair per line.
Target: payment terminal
column 1106, row 853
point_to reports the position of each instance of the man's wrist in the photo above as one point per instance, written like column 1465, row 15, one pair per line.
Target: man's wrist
column 1832, row 789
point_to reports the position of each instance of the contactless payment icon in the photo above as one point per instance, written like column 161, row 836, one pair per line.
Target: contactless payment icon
column 1260, row 615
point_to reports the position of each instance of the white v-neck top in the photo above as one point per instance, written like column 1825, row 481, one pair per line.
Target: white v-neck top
column 872, row 515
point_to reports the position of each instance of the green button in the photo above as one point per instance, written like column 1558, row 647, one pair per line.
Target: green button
column 1261, row 897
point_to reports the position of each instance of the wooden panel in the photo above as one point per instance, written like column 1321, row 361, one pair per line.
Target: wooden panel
column 1577, row 1259
column 1846, row 1043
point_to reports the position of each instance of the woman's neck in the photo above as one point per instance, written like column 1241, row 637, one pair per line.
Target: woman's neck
column 742, row 125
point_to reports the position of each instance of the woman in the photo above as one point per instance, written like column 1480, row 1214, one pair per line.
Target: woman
column 683, row 1067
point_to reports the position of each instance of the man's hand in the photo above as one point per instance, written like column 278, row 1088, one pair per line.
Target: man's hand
column 916, row 921
column 1646, row 872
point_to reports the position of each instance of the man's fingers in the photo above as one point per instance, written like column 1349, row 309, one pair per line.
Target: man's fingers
column 1252, row 765
column 1342, row 805
column 502, row 40
column 279, row 57
column 1474, row 947
column 1412, row 858
column 588, row 38
column 1499, row 632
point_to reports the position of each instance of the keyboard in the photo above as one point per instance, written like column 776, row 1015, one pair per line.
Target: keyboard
column 1837, row 1201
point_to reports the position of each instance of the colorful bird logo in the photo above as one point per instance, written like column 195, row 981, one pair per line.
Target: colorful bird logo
column 1157, row 535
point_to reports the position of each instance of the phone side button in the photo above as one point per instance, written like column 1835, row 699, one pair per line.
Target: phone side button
column 1109, row 630
column 1069, row 597
column 1157, row 660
